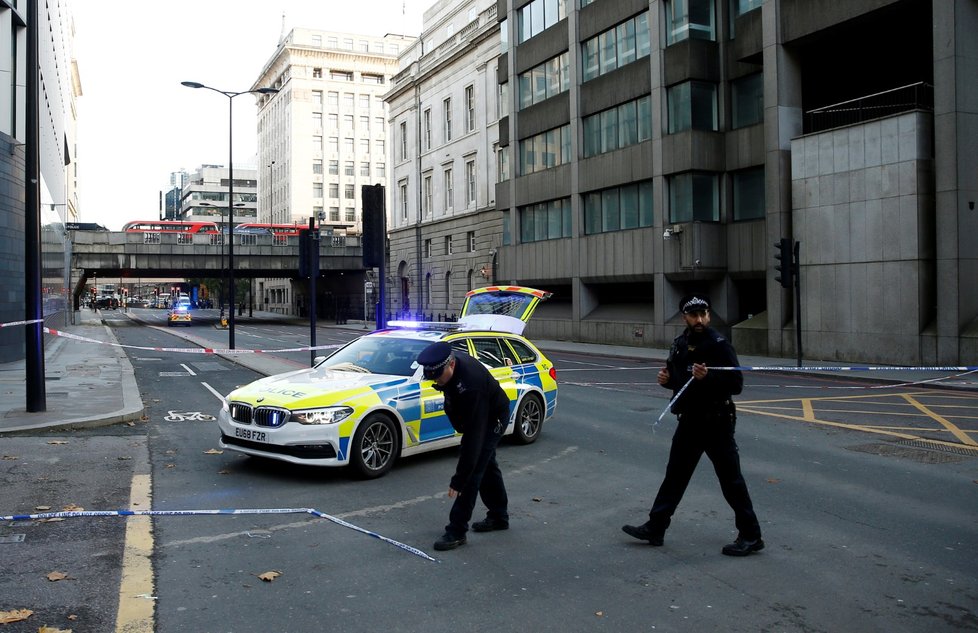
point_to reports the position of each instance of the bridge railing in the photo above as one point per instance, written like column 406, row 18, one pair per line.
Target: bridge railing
column 246, row 239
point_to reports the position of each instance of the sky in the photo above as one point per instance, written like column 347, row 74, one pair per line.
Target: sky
column 137, row 124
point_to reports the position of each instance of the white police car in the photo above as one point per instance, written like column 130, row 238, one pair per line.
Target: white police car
column 367, row 404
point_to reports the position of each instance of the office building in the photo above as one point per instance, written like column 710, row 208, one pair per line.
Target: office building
column 205, row 195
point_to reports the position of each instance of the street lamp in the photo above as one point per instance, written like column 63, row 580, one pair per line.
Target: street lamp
column 230, row 95
column 230, row 233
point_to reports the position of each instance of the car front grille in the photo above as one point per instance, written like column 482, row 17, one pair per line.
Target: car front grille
column 270, row 417
column 302, row 451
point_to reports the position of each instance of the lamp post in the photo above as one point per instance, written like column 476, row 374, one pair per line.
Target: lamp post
column 230, row 95
column 230, row 232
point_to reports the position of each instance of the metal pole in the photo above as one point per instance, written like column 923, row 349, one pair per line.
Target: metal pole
column 36, row 396
column 313, row 244
column 231, row 219
column 796, row 263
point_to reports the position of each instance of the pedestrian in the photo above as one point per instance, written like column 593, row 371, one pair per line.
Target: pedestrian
column 707, row 418
column 478, row 408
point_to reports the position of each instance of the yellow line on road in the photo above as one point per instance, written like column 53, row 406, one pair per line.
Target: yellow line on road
column 955, row 431
column 137, row 602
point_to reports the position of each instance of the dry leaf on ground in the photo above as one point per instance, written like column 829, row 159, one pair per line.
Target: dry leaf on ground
column 58, row 442
column 269, row 576
column 51, row 629
column 71, row 507
column 17, row 615
column 42, row 508
column 213, row 451
column 58, row 575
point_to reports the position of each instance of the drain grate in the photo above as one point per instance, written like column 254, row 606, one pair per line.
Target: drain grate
column 967, row 451
column 924, row 453
column 13, row 538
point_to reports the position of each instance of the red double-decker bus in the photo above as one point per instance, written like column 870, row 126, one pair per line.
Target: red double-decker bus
column 170, row 226
column 274, row 229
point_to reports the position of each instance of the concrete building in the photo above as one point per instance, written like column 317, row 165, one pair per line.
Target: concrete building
column 205, row 195
column 57, row 92
column 323, row 135
column 656, row 148
column 445, row 103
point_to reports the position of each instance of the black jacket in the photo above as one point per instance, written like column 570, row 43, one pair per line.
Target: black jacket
column 476, row 406
column 713, row 392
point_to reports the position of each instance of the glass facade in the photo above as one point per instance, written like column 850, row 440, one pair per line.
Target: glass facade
column 692, row 105
column 618, row 208
column 621, row 126
column 544, row 81
column 687, row 19
column 616, row 47
column 545, row 150
column 748, row 194
column 694, row 197
column 545, row 221
column 747, row 101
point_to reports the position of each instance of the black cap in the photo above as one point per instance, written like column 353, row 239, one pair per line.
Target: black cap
column 434, row 358
column 694, row 303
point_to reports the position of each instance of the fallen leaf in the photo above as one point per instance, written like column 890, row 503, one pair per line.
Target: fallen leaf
column 538, row 499
column 42, row 508
column 58, row 442
column 774, row 481
column 224, row 472
column 269, row 576
column 123, row 459
column 57, row 575
column 9, row 457
column 51, row 629
column 170, row 452
column 599, row 613
column 6, row 617
column 71, row 507
column 72, row 617
column 213, row 451
column 51, row 520
column 169, row 466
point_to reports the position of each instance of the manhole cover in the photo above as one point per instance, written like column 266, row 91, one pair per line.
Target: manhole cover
column 920, row 455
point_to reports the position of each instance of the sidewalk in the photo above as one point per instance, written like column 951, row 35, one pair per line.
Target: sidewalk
column 86, row 387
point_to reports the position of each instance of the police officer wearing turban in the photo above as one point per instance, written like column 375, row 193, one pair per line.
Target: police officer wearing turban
column 478, row 408
column 706, row 425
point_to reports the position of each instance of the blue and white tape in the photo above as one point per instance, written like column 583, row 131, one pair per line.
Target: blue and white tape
column 158, row 513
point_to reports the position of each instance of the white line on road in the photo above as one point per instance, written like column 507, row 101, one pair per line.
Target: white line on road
column 214, row 391
column 188, row 369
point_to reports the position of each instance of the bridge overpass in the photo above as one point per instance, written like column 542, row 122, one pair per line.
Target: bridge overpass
column 107, row 254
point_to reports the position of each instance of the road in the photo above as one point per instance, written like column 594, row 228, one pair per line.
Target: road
column 866, row 497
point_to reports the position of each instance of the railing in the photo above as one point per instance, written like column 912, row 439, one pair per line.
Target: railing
column 918, row 96
column 243, row 239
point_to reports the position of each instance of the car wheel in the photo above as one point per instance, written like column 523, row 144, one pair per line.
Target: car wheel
column 529, row 420
column 374, row 446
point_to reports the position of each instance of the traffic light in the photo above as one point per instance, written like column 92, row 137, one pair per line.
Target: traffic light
column 786, row 266
column 374, row 225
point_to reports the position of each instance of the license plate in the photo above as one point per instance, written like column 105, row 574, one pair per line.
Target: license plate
column 248, row 434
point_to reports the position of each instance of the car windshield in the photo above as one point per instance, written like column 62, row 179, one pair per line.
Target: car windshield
column 377, row 355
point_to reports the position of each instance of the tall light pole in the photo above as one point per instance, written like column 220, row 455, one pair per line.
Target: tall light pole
column 230, row 95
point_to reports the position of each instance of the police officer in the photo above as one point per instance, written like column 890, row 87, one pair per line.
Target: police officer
column 706, row 425
column 478, row 408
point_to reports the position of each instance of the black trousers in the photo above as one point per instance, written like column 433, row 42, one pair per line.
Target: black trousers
column 713, row 434
column 486, row 482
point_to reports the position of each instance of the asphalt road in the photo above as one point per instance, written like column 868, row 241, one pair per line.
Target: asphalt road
column 867, row 529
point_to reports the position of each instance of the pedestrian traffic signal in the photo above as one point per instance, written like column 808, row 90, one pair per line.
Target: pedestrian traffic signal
column 786, row 266
column 374, row 225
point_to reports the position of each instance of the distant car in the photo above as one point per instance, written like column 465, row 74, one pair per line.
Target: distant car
column 179, row 315
column 368, row 404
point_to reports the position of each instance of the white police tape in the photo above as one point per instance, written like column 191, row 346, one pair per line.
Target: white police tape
column 13, row 323
column 133, row 513
column 965, row 368
column 186, row 350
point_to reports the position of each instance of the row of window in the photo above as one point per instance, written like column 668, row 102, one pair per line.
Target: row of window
column 363, row 46
column 349, row 99
column 447, row 120
column 380, row 169
column 693, row 197
column 616, row 47
column 621, row 126
column 448, row 187
column 538, row 16
column 550, row 78
column 332, row 120
column 449, row 245
column 349, row 145
column 545, row 150
column 348, row 75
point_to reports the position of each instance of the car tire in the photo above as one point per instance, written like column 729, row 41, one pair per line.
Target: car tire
column 375, row 446
column 529, row 419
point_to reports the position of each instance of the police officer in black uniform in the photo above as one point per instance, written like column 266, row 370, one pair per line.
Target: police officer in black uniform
column 478, row 408
column 706, row 425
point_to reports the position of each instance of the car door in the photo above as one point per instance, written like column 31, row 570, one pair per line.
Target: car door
column 434, row 423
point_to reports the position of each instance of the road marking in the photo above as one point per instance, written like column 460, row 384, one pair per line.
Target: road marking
column 188, row 369
column 955, row 431
column 137, row 605
column 214, row 391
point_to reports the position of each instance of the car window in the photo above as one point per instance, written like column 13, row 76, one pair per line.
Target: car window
column 490, row 352
column 523, row 351
column 460, row 345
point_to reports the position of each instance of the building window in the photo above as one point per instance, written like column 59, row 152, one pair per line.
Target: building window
column 692, row 105
column 349, row 192
column 351, row 214
column 404, row 141
column 317, row 99
column 333, row 121
column 334, row 168
column 317, row 73
column 365, row 146
column 348, row 168
column 317, row 119
column 427, row 249
column 317, row 166
column 618, row 208
column 693, row 197
column 447, row 105
column 621, row 126
column 469, row 108
column 317, row 190
column 470, row 238
column 365, row 170
column 748, row 194
column 503, row 96
column 426, row 198
column 381, row 170
column 449, row 190
column 546, row 150
column 333, row 144
column 747, row 101
column 348, row 121
column 426, row 123
column 448, row 245
column 616, row 47
column 334, row 190
column 544, row 221
column 470, row 185
column 687, row 19
column 402, row 187
column 338, row 75
column 333, row 99
column 448, row 282
column 379, row 147
column 503, row 164
column 317, row 143
column 348, row 100
column 539, row 15
column 544, row 81
column 364, row 101
column 334, row 214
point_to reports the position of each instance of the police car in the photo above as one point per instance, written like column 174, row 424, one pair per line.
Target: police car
column 179, row 315
column 367, row 404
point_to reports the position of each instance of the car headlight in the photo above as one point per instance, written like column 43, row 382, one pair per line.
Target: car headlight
column 326, row 415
